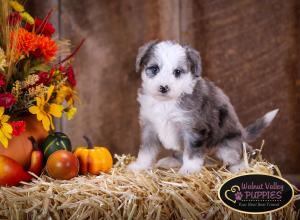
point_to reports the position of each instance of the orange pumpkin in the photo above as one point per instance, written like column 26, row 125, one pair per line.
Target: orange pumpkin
column 93, row 160
column 20, row 147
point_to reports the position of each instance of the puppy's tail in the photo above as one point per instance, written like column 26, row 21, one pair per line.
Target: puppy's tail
column 254, row 130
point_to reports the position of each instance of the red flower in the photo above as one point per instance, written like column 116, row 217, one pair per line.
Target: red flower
column 71, row 76
column 61, row 68
column 7, row 100
column 44, row 78
column 14, row 18
column 41, row 27
column 37, row 53
column 18, row 127
column 2, row 80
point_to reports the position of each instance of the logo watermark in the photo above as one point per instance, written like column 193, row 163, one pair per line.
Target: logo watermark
column 256, row 193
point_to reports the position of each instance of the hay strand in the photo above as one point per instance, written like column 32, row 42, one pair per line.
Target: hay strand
column 122, row 194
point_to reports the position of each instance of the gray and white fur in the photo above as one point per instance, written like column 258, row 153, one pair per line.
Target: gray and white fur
column 181, row 111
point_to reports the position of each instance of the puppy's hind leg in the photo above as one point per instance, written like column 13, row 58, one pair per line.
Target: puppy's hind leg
column 230, row 152
column 148, row 151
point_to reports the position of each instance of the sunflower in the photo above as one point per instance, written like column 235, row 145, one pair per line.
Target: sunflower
column 45, row 110
column 5, row 128
column 71, row 112
column 68, row 94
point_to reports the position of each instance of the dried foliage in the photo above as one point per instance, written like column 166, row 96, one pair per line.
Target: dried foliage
column 36, row 73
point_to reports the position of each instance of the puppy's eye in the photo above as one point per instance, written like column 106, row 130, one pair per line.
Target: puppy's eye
column 178, row 72
column 152, row 70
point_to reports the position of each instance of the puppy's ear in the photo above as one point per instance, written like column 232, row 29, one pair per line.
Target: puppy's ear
column 144, row 54
column 194, row 61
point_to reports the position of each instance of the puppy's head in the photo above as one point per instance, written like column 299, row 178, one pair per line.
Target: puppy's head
column 168, row 69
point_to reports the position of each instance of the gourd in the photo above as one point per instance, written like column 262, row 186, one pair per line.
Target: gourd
column 54, row 142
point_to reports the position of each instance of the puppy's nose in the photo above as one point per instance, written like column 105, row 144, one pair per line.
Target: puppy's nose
column 164, row 89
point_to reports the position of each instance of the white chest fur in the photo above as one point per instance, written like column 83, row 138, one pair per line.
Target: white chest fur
column 166, row 118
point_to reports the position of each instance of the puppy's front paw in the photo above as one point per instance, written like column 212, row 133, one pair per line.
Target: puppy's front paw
column 137, row 166
column 187, row 169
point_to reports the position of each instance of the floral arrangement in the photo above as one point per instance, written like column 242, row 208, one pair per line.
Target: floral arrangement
column 32, row 79
column 37, row 79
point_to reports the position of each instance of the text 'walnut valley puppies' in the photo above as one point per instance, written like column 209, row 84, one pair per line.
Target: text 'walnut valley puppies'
column 181, row 111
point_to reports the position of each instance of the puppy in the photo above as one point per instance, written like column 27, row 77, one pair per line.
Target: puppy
column 181, row 111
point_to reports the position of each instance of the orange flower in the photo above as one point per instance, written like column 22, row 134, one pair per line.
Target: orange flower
column 26, row 43
column 47, row 47
column 23, row 42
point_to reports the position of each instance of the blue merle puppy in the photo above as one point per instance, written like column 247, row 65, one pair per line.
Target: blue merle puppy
column 182, row 111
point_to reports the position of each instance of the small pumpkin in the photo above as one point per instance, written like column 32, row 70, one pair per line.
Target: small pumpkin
column 62, row 165
column 54, row 142
column 93, row 160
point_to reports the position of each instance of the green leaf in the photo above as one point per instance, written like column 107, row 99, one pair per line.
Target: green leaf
column 41, row 67
column 26, row 68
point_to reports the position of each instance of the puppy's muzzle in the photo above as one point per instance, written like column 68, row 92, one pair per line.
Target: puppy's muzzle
column 164, row 89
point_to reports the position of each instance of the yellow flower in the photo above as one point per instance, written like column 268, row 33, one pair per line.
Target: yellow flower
column 45, row 110
column 5, row 128
column 16, row 6
column 27, row 17
column 71, row 112
column 20, row 8
column 66, row 93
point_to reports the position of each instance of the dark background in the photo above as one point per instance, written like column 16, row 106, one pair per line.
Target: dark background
column 250, row 48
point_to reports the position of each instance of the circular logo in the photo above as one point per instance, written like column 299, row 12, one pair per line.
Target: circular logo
column 256, row 193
